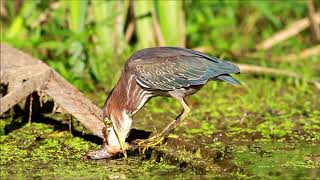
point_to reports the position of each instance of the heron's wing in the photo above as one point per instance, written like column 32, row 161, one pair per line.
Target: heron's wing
column 173, row 72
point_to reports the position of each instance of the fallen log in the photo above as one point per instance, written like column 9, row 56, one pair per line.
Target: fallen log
column 25, row 75
column 27, row 87
column 73, row 102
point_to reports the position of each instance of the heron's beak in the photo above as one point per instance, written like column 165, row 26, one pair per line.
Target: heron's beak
column 108, row 123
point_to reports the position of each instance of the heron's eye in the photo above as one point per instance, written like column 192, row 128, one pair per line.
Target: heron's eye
column 107, row 122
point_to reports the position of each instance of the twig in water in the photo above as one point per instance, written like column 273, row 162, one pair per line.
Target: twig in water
column 70, row 124
column 313, row 51
column 252, row 69
column 314, row 26
column 30, row 109
column 129, row 31
column 157, row 29
column 288, row 32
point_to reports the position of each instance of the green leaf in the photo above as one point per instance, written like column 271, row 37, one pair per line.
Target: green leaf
column 171, row 21
column 144, row 24
column 78, row 9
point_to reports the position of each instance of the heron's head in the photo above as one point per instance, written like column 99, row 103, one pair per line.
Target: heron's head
column 111, row 114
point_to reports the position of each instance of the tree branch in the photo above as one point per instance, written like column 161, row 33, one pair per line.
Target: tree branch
column 292, row 30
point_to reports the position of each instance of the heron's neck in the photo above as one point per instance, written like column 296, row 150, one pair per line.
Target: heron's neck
column 126, row 97
column 116, row 108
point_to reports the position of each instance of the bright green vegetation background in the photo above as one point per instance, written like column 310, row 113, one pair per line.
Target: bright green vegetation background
column 270, row 124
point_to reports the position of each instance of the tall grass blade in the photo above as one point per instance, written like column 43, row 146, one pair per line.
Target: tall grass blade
column 103, row 14
column 171, row 19
column 145, row 32
column 77, row 15
column 78, row 9
column 109, row 17
column 17, row 25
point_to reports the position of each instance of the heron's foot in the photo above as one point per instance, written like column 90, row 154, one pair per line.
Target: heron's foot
column 155, row 140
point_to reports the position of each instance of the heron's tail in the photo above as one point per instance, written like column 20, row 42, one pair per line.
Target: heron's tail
column 229, row 79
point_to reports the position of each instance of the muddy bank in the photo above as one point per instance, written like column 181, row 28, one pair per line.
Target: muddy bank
column 38, row 150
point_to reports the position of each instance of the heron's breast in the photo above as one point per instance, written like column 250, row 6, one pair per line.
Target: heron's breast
column 185, row 91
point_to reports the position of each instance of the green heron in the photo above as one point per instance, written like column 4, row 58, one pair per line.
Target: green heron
column 160, row 71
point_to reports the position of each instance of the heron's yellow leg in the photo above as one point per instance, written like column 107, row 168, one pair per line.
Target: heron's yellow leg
column 158, row 139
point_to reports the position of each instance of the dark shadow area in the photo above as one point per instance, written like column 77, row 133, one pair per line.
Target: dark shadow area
column 15, row 114
column 137, row 134
column 61, row 126
column 36, row 113
column 3, row 89
column 58, row 126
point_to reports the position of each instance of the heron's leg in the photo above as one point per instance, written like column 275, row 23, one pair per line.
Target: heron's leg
column 178, row 120
column 159, row 138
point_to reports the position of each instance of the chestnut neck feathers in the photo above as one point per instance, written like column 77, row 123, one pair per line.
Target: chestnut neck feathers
column 126, row 97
